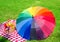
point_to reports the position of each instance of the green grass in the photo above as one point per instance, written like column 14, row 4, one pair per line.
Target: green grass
column 10, row 9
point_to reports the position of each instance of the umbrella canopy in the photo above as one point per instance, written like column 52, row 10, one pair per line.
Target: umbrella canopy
column 7, row 30
column 35, row 23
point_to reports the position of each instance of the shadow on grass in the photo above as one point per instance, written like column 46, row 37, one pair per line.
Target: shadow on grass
column 2, row 39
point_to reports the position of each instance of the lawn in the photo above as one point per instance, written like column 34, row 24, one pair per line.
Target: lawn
column 10, row 9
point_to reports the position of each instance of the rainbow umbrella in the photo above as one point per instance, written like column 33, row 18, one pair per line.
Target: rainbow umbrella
column 35, row 23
